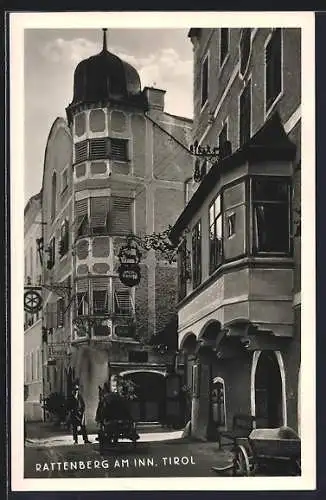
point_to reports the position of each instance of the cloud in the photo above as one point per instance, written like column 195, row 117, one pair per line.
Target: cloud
column 163, row 66
column 68, row 51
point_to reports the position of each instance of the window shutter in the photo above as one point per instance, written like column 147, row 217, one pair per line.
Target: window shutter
column 119, row 149
column 81, row 216
column 122, row 298
column 81, row 151
column 98, row 149
column 99, row 214
column 120, row 215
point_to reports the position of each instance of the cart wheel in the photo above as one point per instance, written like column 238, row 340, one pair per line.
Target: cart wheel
column 242, row 463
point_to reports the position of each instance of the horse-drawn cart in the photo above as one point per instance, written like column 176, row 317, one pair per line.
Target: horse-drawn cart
column 266, row 451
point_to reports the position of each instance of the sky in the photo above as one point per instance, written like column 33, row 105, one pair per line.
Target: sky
column 163, row 58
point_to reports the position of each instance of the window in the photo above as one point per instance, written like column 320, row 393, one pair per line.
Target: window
column 245, row 115
column 119, row 149
column 103, row 215
column 122, row 302
column 81, row 217
column 223, row 141
column 100, row 287
column 81, row 303
column 64, row 238
column 101, row 148
column 230, row 225
column 182, row 270
column 273, row 68
column 204, row 82
column 215, row 235
column 98, row 149
column 51, row 254
column 245, row 47
column 99, row 207
column 120, row 221
column 271, row 215
column 64, row 180
column 81, row 151
column 54, row 196
column 224, row 44
column 196, row 255
column 60, row 312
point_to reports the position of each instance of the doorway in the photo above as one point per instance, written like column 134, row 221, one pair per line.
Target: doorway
column 268, row 391
column 149, row 404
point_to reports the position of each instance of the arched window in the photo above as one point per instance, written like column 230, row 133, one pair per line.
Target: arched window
column 54, row 196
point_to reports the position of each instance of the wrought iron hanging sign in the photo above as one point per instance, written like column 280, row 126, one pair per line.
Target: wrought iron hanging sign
column 32, row 301
column 129, row 269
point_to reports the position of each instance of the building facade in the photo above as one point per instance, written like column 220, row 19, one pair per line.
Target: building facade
column 239, row 235
column 33, row 360
column 116, row 166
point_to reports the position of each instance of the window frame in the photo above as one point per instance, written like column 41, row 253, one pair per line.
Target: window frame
column 54, row 194
column 269, row 106
column 223, row 57
column 253, row 203
column 64, row 237
column 203, row 102
column 245, row 69
column 196, row 254
column 64, row 186
column 246, row 86
column 182, row 270
column 216, row 217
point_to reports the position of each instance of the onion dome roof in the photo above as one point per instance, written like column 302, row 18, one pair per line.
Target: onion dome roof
column 105, row 77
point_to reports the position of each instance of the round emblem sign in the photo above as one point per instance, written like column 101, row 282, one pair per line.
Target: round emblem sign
column 129, row 274
column 32, row 301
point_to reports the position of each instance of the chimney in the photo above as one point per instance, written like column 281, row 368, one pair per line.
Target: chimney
column 155, row 98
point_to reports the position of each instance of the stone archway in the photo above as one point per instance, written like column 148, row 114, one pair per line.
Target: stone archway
column 268, row 386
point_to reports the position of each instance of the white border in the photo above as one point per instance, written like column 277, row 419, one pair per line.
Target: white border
column 20, row 21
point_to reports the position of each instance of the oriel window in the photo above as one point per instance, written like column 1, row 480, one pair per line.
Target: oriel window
column 215, row 235
column 273, row 67
column 196, row 255
column 271, row 215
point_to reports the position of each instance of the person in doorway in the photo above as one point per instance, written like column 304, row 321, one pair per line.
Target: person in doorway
column 77, row 415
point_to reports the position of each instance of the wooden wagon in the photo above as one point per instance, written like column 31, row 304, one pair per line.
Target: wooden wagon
column 266, row 451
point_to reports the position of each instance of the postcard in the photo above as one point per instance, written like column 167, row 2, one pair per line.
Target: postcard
column 162, row 224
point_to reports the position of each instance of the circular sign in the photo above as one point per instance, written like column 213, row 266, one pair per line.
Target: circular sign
column 32, row 301
column 129, row 274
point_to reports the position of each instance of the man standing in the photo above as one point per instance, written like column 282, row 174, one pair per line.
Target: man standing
column 77, row 415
